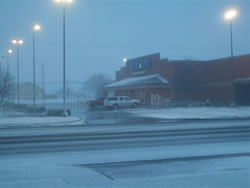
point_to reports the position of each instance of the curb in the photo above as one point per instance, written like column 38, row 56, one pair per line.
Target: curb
column 33, row 125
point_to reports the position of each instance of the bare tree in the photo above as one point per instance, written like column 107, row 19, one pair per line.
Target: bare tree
column 96, row 83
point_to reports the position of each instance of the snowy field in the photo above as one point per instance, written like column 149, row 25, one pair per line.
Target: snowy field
column 194, row 113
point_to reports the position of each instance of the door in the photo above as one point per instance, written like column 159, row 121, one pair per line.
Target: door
column 128, row 102
column 122, row 102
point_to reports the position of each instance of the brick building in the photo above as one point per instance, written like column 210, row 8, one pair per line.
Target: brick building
column 157, row 81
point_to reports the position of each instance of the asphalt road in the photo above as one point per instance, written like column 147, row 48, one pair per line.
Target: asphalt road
column 86, row 138
column 141, row 153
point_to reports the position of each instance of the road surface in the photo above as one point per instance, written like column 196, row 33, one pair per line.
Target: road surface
column 152, row 154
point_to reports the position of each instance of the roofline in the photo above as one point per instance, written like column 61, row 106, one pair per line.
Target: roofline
column 138, row 87
column 209, row 60
column 151, row 75
column 243, row 55
column 140, row 57
column 182, row 61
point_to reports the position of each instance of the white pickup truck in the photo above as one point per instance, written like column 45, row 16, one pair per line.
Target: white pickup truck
column 121, row 102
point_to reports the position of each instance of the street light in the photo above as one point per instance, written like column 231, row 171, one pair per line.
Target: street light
column 10, row 51
column 36, row 27
column 230, row 15
column 18, row 43
column 64, row 2
column 125, row 60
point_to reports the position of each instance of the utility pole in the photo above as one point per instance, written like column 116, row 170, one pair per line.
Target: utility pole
column 35, row 28
column 18, row 43
column 43, row 84
column 230, row 15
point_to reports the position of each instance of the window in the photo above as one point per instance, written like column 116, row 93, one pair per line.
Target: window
column 112, row 99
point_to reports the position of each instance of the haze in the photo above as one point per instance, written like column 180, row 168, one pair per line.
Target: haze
column 101, row 33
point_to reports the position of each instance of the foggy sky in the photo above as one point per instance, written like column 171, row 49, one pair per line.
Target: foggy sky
column 100, row 33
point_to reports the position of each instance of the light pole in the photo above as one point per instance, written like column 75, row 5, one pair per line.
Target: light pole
column 230, row 15
column 64, row 2
column 1, row 82
column 43, row 84
column 18, row 43
column 8, row 69
column 36, row 27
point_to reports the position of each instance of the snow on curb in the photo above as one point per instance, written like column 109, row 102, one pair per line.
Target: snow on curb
column 38, row 121
column 194, row 113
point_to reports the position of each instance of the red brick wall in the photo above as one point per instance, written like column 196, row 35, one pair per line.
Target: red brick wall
column 196, row 80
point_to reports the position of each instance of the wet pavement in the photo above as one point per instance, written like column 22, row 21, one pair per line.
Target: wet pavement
column 114, row 117
column 121, row 116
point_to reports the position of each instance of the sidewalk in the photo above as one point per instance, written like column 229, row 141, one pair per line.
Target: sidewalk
column 39, row 121
column 190, row 113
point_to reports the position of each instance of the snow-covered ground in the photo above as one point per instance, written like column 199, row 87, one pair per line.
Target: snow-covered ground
column 52, row 101
column 155, row 166
column 194, row 113
column 38, row 121
column 71, row 169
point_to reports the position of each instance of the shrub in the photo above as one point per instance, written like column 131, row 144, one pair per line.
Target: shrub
column 37, row 109
column 58, row 112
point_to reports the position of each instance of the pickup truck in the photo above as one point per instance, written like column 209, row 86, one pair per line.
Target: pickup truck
column 121, row 102
column 92, row 104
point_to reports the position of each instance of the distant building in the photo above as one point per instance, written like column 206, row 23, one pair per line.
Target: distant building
column 159, row 81
column 26, row 91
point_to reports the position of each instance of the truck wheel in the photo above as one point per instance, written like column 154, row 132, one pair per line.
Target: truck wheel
column 135, row 105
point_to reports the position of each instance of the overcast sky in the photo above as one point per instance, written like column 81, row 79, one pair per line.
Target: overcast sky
column 100, row 33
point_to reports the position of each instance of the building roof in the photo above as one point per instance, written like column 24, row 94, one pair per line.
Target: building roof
column 150, row 80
